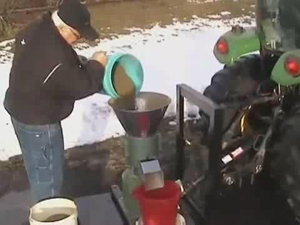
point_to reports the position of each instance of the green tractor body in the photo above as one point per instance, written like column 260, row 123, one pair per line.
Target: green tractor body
column 277, row 32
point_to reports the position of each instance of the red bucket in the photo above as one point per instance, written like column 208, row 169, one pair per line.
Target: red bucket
column 159, row 207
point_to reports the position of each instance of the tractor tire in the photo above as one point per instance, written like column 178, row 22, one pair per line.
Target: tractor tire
column 236, row 81
column 284, row 150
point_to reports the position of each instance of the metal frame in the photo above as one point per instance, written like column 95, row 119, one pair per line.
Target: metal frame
column 215, row 113
column 216, row 116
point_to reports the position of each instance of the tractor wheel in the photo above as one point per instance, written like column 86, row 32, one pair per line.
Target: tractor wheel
column 240, row 79
column 237, row 80
column 285, row 160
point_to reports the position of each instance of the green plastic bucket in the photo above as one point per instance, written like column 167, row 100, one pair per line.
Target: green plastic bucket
column 131, row 65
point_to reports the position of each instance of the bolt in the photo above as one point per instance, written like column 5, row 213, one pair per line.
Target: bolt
column 229, row 180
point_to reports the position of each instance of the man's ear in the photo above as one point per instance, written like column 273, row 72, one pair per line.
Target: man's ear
column 64, row 30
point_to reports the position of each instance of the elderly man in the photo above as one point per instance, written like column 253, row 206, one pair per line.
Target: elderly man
column 46, row 78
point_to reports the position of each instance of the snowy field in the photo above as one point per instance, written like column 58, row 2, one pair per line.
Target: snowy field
column 179, row 53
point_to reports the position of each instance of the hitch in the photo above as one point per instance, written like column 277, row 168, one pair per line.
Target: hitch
column 228, row 157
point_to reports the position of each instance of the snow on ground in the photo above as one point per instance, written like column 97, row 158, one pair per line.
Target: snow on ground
column 179, row 53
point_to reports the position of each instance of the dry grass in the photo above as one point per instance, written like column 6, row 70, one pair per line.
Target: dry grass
column 115, row 17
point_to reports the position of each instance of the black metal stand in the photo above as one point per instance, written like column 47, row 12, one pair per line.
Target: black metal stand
column 215, row 114
column 117, row 198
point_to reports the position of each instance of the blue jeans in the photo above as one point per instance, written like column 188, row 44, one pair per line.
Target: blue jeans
column 43, row 154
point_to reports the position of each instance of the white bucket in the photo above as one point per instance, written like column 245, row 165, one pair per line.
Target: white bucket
column 56, row 211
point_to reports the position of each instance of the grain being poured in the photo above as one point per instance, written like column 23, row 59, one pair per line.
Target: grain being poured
column 124, row 86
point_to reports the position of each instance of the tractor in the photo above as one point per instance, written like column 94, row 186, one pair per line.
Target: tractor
column 251, row 127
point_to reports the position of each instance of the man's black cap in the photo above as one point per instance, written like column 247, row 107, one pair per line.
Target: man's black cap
column 77, row 16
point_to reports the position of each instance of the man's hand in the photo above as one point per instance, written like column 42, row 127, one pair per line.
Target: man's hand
column 101, row 57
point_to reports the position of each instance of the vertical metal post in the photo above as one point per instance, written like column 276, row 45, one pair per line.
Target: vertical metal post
column 180, row 141
column 216, row 114
column 215, row 148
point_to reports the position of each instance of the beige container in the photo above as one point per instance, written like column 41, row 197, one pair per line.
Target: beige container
column 56, row 211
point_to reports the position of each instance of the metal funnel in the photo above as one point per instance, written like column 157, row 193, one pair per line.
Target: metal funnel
column 142, row 116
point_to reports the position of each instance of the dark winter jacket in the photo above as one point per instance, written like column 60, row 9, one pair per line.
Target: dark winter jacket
column 47, row 77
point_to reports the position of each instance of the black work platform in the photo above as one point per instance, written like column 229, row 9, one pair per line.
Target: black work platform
column 98, row 209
